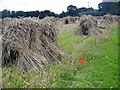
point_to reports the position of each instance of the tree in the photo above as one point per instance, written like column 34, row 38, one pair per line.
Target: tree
column 90, row 9
column 82, row 9
column 0, row 14
column 63, row 14
column 5, row 13
column 13, row 14
column 72, row 10
column 36, row 13
column 110, row 7
column 20, row 14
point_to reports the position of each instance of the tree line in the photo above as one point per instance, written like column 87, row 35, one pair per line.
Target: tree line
column 112, row 8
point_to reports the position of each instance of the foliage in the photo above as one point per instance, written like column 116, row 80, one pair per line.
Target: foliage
column 110, row 7
column 5, row 13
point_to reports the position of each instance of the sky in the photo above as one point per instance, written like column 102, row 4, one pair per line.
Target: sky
column 56, row 6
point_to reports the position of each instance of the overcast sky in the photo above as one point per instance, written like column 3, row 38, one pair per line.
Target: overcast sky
column 56, row 6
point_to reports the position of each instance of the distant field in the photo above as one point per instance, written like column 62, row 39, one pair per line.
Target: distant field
column 100, row 71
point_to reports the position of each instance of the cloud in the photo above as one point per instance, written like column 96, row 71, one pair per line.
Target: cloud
column 56, row 6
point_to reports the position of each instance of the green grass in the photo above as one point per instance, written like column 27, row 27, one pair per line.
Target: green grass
column 101, row 70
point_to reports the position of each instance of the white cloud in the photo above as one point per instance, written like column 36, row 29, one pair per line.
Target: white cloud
column 56, row 6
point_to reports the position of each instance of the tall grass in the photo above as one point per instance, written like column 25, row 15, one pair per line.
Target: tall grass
column 100, row 71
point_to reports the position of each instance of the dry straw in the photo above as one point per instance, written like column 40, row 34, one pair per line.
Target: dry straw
column 88, row 26
column 29, row 44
